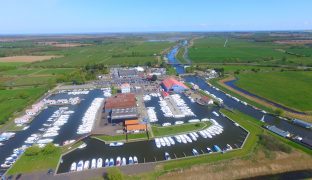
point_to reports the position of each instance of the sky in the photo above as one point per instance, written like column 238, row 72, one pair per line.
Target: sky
column 99, row 16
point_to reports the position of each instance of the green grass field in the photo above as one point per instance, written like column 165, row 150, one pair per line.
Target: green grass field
column 127, row 52
column 40, row 162
column 15, row 100
column 292, row 89
column 212, row 50
column 122, row 137
column 173, row 130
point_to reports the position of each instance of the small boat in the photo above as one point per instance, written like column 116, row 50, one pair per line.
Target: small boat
column 82, row 146
column 216, row 148
column 215, row 113
column 80, row 166
column 157, row 142
column 111, row 162
column 99, row 163
column 194, row 120
column 195, row 153
column 123, row 161
column 167, row 141
column 130, row 160
column 236, row 124
column 86, row 165
column 262, row 119
column 73, row 166
column 166, row 124
column 93, row 163
column 135, row 160
column 167, row 156
column 106, row 162
column 209, row 150
column 116, row 144
column 178, row 122
column 162, row 142
column 228, row 147
column 171, row 140
column 26, row 127
column 118, row 161
column 178, row 139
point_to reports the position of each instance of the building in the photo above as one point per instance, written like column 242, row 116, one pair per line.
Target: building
column 156, row 71
column 121, row 107
column 125, row 100
column 121, row 114
column 134, row 126
column 125, row 88
column 171, row 84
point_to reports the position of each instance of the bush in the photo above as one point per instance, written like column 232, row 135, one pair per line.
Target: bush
column 32, row 151
column 49, row 149
column 272, row 144
column 114, row 174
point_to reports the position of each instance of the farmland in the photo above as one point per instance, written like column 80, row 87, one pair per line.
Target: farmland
column 291, row 89
column 215, row 50
column 15, row 100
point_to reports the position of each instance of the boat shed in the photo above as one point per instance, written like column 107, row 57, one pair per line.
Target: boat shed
column 171, row 84
column 278, row 131
column 302, row 123
column 136, row 127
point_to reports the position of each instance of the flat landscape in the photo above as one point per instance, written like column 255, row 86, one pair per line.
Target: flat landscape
column 247, row 50
column 291, row 89
column 26, row 58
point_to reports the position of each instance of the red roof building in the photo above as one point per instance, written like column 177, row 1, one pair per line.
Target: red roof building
column 171, row 84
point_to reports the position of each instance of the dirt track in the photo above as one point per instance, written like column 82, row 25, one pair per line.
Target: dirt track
column 26, row 58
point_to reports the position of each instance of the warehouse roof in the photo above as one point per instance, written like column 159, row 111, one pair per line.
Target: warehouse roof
column 136, row 127
column 131, row 122
column 125, row 100
column 169, row 82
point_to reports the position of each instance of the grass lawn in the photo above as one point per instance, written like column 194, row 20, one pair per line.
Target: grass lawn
column 27, row 164
column 292, row 89
column 15, row 100
column 176, row 129
column 122, row 137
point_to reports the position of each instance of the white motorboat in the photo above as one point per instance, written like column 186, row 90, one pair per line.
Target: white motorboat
column 118, row 161
column 116, row 144
column 83, row 145
column 179, row 122
column 135, row 160
column 215, row 113
column 111, row 162
column 99, row 163
column 167, row 156
column 162, row 142
column 171, row 140
column 130, row 160
column 80, row 166
column 167, row 141
column 123, row 161
column 93, row 163
column 106, row 162
column 178, row 139
column 195, row 153
column 73, row 166
column 86, row 165
column 157, row 142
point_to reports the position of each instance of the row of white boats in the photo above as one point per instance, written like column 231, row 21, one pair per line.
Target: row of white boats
column 99, row 163
column 107, row 92
column 151, row 113
column 182, row 106
column 209, row 132
column 50, row 128
column 190, row 121
column 78, row 92
column 90, row 116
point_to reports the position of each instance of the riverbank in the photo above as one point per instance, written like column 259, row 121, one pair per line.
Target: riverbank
column 247, row 162
column 261, row 104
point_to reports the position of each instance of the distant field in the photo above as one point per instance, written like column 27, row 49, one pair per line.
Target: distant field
column 292, row 89
column 214, row 50
column 16, row 99
column 122, row 53
column 26, row 58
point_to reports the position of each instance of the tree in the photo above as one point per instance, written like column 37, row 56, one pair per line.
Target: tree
column 154, row 78
column 49, row 149
column 32, row 151
column 114, row 174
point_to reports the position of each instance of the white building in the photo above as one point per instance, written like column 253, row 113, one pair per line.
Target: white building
column 125, row 88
